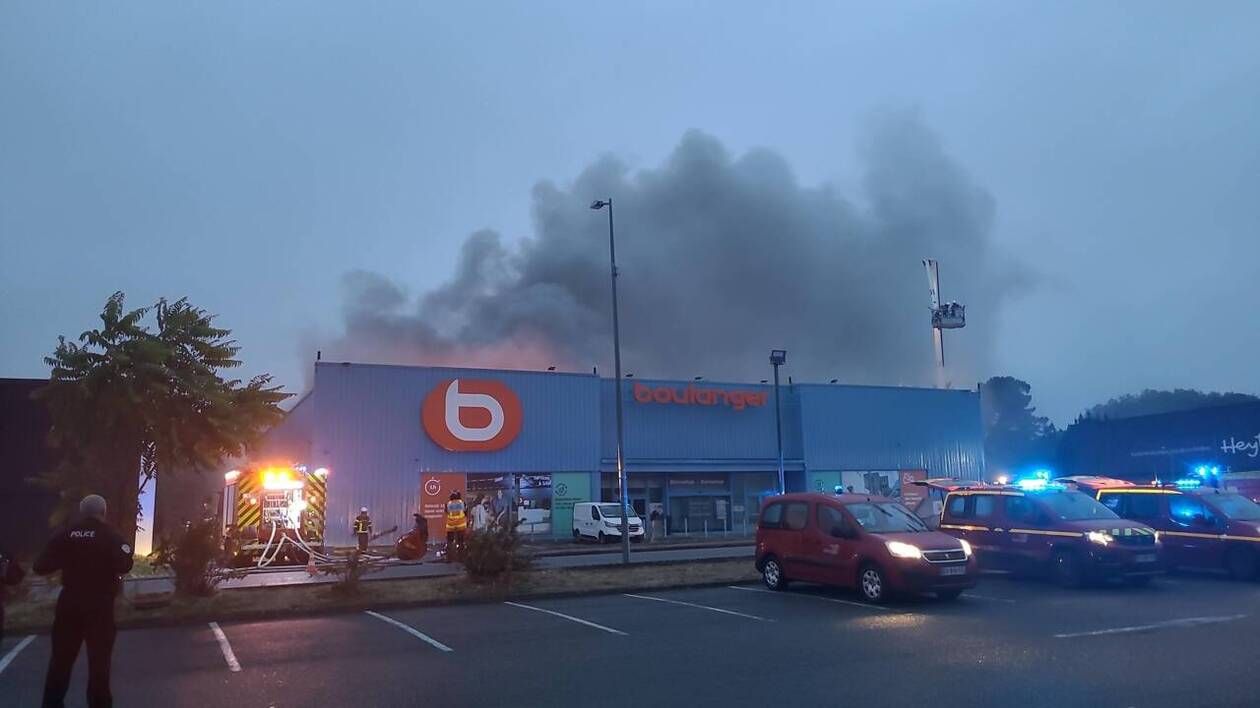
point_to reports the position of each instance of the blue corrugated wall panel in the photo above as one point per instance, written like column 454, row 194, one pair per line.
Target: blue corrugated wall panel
column 884, row 428
column 368, row 432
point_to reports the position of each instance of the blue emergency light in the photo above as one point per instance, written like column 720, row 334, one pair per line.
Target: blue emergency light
column 1188, row 483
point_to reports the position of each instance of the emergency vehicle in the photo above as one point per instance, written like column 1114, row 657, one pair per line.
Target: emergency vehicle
column 932, row 504
column 274, row 513
column 1041, row 527
column 1201, row 527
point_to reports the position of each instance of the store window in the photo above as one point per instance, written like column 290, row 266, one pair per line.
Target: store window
column 512, row 498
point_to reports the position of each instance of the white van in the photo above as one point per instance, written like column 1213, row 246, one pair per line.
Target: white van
column 602, row 522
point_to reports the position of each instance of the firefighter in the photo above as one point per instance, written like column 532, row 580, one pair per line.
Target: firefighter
column 363, row 528
column 92, row 557
column 456, row 523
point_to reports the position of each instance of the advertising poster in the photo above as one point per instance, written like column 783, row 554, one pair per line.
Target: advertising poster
column 567, row 489
column 912, row 495
column 435, row 490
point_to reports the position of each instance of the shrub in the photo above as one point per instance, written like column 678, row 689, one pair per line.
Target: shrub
column 350, row 571
column 493, row 554
column 192, row 555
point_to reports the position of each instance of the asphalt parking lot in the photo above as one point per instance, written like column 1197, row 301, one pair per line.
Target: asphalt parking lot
column 1185, row 641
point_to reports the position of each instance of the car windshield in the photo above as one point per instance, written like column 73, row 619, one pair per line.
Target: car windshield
column 612, row 511
column 886, row 517
column 1236, row 507
column 1074, row 506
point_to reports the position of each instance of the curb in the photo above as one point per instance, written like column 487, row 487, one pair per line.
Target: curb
column 357, row 607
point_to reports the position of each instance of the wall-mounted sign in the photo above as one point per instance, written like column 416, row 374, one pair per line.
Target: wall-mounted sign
column 691, row 395
column 472, row 415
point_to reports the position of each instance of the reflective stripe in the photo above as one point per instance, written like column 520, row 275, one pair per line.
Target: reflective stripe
column 1038, row 532
column 1186, row 534
column 1137, row 491
column 964, row 528
column 1253, row 539
column 986, row 492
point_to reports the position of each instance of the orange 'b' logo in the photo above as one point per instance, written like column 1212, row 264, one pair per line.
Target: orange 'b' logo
column 467, row 415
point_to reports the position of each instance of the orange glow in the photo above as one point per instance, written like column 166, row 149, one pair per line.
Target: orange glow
column 275, row 478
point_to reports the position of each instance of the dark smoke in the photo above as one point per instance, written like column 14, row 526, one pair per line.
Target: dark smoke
column 722, row 258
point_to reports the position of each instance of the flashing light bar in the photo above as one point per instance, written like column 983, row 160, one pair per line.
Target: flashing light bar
column 1039, row 484
column 1188, row 483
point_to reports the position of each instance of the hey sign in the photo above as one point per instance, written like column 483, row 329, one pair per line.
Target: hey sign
column 472, row 415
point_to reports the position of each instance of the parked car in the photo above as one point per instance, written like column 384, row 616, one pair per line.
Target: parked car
column 601, row 521
column 1201, row 527
column 870, row 543
column 1048, row 529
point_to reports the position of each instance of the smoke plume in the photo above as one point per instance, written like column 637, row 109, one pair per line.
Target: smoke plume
column 721, row 259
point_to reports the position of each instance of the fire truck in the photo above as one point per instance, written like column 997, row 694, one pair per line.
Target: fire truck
column 274, row 514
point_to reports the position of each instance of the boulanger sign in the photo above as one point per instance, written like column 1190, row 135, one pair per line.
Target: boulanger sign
column 472, row 415
column 690, row 395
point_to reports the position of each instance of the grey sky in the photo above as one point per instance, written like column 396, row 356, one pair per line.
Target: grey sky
column 248, row 155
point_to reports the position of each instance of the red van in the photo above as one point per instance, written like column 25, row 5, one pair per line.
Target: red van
column 871, row 543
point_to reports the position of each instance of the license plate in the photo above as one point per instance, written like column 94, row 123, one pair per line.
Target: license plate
column 954, row 570
column 1146, row 558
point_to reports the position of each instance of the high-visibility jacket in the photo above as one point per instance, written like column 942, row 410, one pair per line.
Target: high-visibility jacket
column 363, row 524
column 456, row 520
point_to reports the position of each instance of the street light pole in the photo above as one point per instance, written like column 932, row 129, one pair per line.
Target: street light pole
column 777, row 358
column 621, row 468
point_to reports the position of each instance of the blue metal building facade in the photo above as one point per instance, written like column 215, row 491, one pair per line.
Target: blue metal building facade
column 704, row 458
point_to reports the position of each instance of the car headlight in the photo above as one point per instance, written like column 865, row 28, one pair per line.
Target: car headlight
column 966, row 548
column 1099, row 537
column 1158, row 538
column 903, row 550
column 611, row 524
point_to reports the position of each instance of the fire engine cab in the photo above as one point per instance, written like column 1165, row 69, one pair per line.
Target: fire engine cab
column 274, row 513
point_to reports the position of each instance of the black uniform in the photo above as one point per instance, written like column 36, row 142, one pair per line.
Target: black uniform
column 91, row 556
column 10, row 574
column 363, row 529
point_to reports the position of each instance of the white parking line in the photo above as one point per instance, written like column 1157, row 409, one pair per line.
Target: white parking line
column 8, row 658
column 571, row 618
column 700, row 607
column 836, row 600
column 986, row 598
column 228, row 655
column 1184, row 622
column 409, row 630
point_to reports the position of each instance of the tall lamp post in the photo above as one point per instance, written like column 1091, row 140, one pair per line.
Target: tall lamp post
column 778, row 357
column 621, row 467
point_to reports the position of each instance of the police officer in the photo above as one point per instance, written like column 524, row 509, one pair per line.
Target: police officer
column 11, row 573
column 363, row 528
column 91, row 557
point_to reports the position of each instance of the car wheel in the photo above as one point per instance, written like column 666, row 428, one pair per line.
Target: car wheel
column 1241, row 564
column 772, row 574
column 602, row 538
column 948, row 594
column 577, row 535
column 871, row 584
column 1066, row 569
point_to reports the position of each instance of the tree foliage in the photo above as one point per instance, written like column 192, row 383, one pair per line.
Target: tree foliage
column 193, row 556
column 1152, row 402
column 142, row 395
column 1014, row 434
